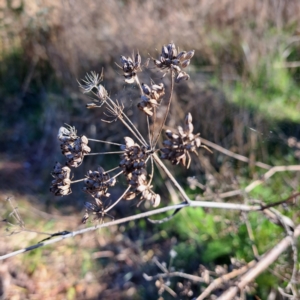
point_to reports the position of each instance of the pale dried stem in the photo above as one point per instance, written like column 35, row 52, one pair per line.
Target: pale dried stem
column 149, row 132
column 161, row 266
column 225, row 278
column 251, row 235
column 174, row 274
column 269, row 174
column 255, row 183
column 130, row 126
column 177, row 185
column 169, row 290
column 234, row 155
column 113, row 169
column 115, row 176
column 289, row 232
column 15, row 214
column 261, row 266
column 139, row 84
column 78, row 180
column 116, row 202
column 152, row 171
column 229, row 206
column 153, row 126
column 105, row 142
column 104, row 153
column 167, row 111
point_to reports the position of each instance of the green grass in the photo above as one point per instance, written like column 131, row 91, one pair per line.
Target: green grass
column 272, row 92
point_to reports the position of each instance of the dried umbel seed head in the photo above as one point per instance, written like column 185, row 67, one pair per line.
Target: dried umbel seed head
column 102, row 92
column 149, row 195
column 133, row 163
column 177, row 146
column 97, row 183
column 130, row 67
column 61, row 185
column 182, row 76
column 67, row 133
column 73, row 147
column 133, row 159
column 97, row 210
column 151, row 97
column 171, row 60
column 91, row 81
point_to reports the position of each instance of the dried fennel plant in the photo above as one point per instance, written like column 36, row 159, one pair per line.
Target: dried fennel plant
column 137, row 153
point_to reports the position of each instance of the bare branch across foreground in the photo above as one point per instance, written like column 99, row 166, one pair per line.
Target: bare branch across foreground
column 229, row 206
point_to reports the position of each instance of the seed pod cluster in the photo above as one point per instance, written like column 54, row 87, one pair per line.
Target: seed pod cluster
column 133, row 163
column 61, row 185
column 151, row 97
column 102, row 92
column 73, row 147
column 170, row 59
column 130, row 67
column 95, row 209
column 177, row 146
column 97, row 183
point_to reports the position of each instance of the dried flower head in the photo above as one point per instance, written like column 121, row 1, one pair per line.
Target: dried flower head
column 177, row 146
column 171, row 60
column 91, row 81
column 151, row 97
column 130, row 67
column 61, row 185
column 133, row 163
column 135, row 156
column 97, row 183
column 96, row 209
column 73, row 147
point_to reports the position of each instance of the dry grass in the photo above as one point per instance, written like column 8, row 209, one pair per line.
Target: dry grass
column 80, row 34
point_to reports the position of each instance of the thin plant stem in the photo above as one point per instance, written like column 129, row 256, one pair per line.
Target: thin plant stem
column 135, row 132
column 153, row 126
column 115, row 176
column 104, row 153
column 251, row 235
column 111, row 170
column 167, row 111
column 229, row 206
column 149, row 132
column 171, row 177
column 79, row 180
column 117, row 201
column 234, row 155
column 152, row 171
column 174, row 274
column 105, row 142
column 142, row 93
column 139, row 84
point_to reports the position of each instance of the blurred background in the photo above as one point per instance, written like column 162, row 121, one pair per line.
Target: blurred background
column 243, row 95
